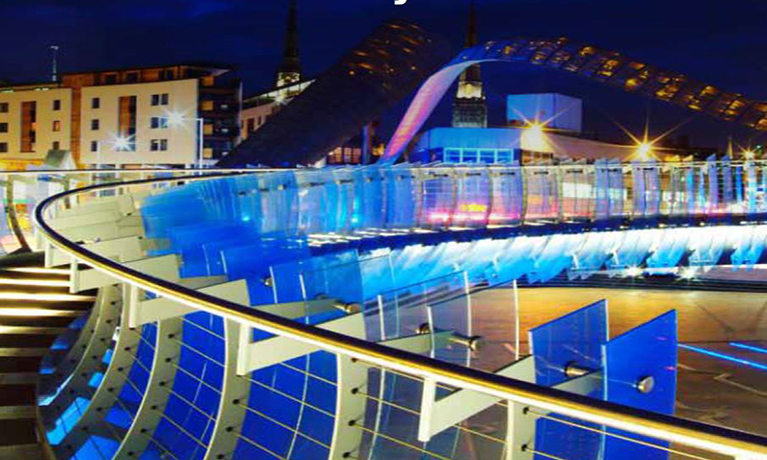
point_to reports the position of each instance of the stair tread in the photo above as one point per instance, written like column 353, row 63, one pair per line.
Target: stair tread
column 23, row 364
column 26, row 340
column 4, row 273
column 54, row 305
column 39, row 321
column 17, row 395
column 22, row 451
column 18, row 432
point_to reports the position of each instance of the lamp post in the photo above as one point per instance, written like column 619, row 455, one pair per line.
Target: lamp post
column 178, row 119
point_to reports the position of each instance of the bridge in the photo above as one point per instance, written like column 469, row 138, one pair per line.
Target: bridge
column 336, row 313
column 586, row 61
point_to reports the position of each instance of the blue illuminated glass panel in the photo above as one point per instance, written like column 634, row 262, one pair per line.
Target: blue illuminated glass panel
column 648, row 351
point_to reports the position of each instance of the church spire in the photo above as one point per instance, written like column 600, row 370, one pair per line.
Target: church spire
column 471, row 33
column 290, row 69
column 469, row 108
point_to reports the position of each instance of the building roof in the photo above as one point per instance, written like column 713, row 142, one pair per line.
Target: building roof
column 29, row 86
column 220, row 68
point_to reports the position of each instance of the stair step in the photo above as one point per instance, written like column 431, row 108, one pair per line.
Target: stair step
column 15, row 305
column 31, row 330
column 18, row 432
column 18, row 412
column 19, row 364
column 44, row 297
column 24, row 341
column 17, row 395
column 61, row 321
column 33, row 289
column 19, row 378
column 14, row 313
column 34, row 273
column 22, row 451
column 23, row 352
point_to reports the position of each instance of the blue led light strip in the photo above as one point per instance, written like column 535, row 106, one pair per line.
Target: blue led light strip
column 749, row 347
column 733, row 359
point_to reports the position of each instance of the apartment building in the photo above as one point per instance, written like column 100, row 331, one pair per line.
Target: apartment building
column 179, row 115
column 34, row 119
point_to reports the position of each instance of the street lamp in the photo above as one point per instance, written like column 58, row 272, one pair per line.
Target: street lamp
column 176, row 119
column 644, row 151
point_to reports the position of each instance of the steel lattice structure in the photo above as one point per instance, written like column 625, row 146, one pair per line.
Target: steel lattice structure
column 588, row 61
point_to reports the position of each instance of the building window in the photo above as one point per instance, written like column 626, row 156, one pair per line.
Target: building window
column 56, row 145
column 56, row 126
column 95, row 102
column 167, row 74
column 159, row 122
column 56, row 105
column 452, row 156
column 94, row 146
column 3, row 147
column 159, row 145
column 95, row 124
column 3, row 107
column 3, row 127
column 131, row 77
column 160, row 99
column 110, row 79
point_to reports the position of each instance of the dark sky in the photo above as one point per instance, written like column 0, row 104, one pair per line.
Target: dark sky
column 722, row 42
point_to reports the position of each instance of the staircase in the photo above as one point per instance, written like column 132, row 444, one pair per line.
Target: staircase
column 35, row 308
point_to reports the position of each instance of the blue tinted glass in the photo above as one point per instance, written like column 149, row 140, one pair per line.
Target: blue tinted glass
column 649, row 350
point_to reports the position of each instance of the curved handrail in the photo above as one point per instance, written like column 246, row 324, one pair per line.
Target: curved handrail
column 669, row 428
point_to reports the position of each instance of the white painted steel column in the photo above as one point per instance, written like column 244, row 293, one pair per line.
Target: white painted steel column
column 106, row 394
column 83, row 359
column 234, row 394
column 161, row 377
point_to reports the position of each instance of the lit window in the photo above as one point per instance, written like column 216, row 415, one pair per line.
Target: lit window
column 94, row 146
column 56, row 126
column 95, row 124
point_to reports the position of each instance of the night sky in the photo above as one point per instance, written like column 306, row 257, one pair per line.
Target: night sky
column 717, row 41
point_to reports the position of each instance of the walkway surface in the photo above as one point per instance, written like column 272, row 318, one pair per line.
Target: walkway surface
column 710, row 389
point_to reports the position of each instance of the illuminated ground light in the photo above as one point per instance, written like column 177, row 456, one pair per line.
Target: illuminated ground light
column 634, row 272
column 749, row 347
column 688, row 273
column 732, row 359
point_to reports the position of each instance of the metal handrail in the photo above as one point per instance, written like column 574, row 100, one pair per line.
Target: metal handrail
column 642, row 422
